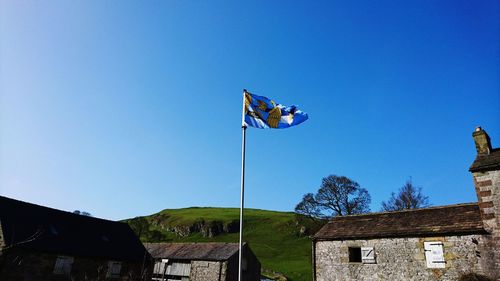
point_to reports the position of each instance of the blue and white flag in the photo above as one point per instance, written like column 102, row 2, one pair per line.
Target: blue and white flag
column 261, row 112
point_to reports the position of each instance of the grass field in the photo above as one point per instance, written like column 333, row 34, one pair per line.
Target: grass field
column 273, row 236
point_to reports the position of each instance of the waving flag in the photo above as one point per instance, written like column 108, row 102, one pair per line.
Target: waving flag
column 261, row 112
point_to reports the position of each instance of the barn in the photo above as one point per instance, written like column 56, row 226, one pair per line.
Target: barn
column 202, row 262
column 41, row 243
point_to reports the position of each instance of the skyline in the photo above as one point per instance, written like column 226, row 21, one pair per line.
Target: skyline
column 125, row 109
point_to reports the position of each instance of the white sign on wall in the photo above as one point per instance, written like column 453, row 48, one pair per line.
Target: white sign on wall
column 434, row 254
column 368, row 255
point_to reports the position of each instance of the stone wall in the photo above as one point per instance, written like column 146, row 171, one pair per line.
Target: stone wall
column 400, row 259
column 19, row 265
column 227, row 270
column 487, row 185
column 208, row 271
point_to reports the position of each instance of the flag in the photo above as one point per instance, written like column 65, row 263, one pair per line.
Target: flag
column 261, row 112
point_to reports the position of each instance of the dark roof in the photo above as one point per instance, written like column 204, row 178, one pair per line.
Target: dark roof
column 193, row 251
column 444, row 220
column 37, row 228
column 487, row 162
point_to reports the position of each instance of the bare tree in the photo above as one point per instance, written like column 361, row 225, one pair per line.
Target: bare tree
column 408, row 197
column 83, row 213
column 337, row 196
column 342, row 196
column 308, row 207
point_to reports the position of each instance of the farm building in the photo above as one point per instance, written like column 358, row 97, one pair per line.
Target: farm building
column 40, row 243
column 439, row 243
column 202, row 262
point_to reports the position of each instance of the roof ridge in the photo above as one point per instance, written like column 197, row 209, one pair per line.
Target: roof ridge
column 440, row 220
column 195, row 243
column 57, row 210
column 408, row 210
column 63, row 232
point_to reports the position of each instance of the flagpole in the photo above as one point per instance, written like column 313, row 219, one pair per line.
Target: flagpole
column 242, row 197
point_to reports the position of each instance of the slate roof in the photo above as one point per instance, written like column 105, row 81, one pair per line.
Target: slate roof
column 486, row 162
column 193, row 251
column 444, row 220
column 37, row 228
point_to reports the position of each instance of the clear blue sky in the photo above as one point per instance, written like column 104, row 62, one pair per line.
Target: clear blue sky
column 124, row 108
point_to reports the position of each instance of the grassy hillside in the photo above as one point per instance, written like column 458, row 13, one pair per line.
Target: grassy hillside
column 277, row 238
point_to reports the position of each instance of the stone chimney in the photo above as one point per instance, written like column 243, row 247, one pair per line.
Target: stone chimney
column 482, row 140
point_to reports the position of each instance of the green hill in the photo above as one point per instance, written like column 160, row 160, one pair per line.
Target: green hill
column 279, row 239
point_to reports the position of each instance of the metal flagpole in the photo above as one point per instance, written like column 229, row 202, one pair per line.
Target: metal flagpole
column 242, row 198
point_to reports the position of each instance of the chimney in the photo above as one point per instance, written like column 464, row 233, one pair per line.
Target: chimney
column 482, row 140
column 486, row 173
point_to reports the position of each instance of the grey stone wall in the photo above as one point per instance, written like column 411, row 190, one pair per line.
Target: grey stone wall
column 400, row 259
column 208, row 271
column 487, row 185
column 20, row 265
column 225, row 271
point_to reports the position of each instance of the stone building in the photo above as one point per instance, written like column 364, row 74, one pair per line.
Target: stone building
column 40, row 243
column 438, row 243
column 486, row 173
column 202, row 262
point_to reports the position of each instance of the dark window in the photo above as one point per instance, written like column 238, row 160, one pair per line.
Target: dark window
column 354, row 254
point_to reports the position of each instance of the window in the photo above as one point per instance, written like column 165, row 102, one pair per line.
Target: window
column 165, row 270
column 179, row 268
column 160, row 266
column 63, row 265
column 434, row 255
column 114, row 268
column 368, row 255
column 354, row 254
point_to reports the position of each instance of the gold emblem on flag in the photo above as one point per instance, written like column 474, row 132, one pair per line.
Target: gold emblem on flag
column 274, row 117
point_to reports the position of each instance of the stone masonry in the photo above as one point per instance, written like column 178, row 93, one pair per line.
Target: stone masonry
column 208, row 270
column 488, row 187
column 399, row 259
column 28, row 265
column 486, row 173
